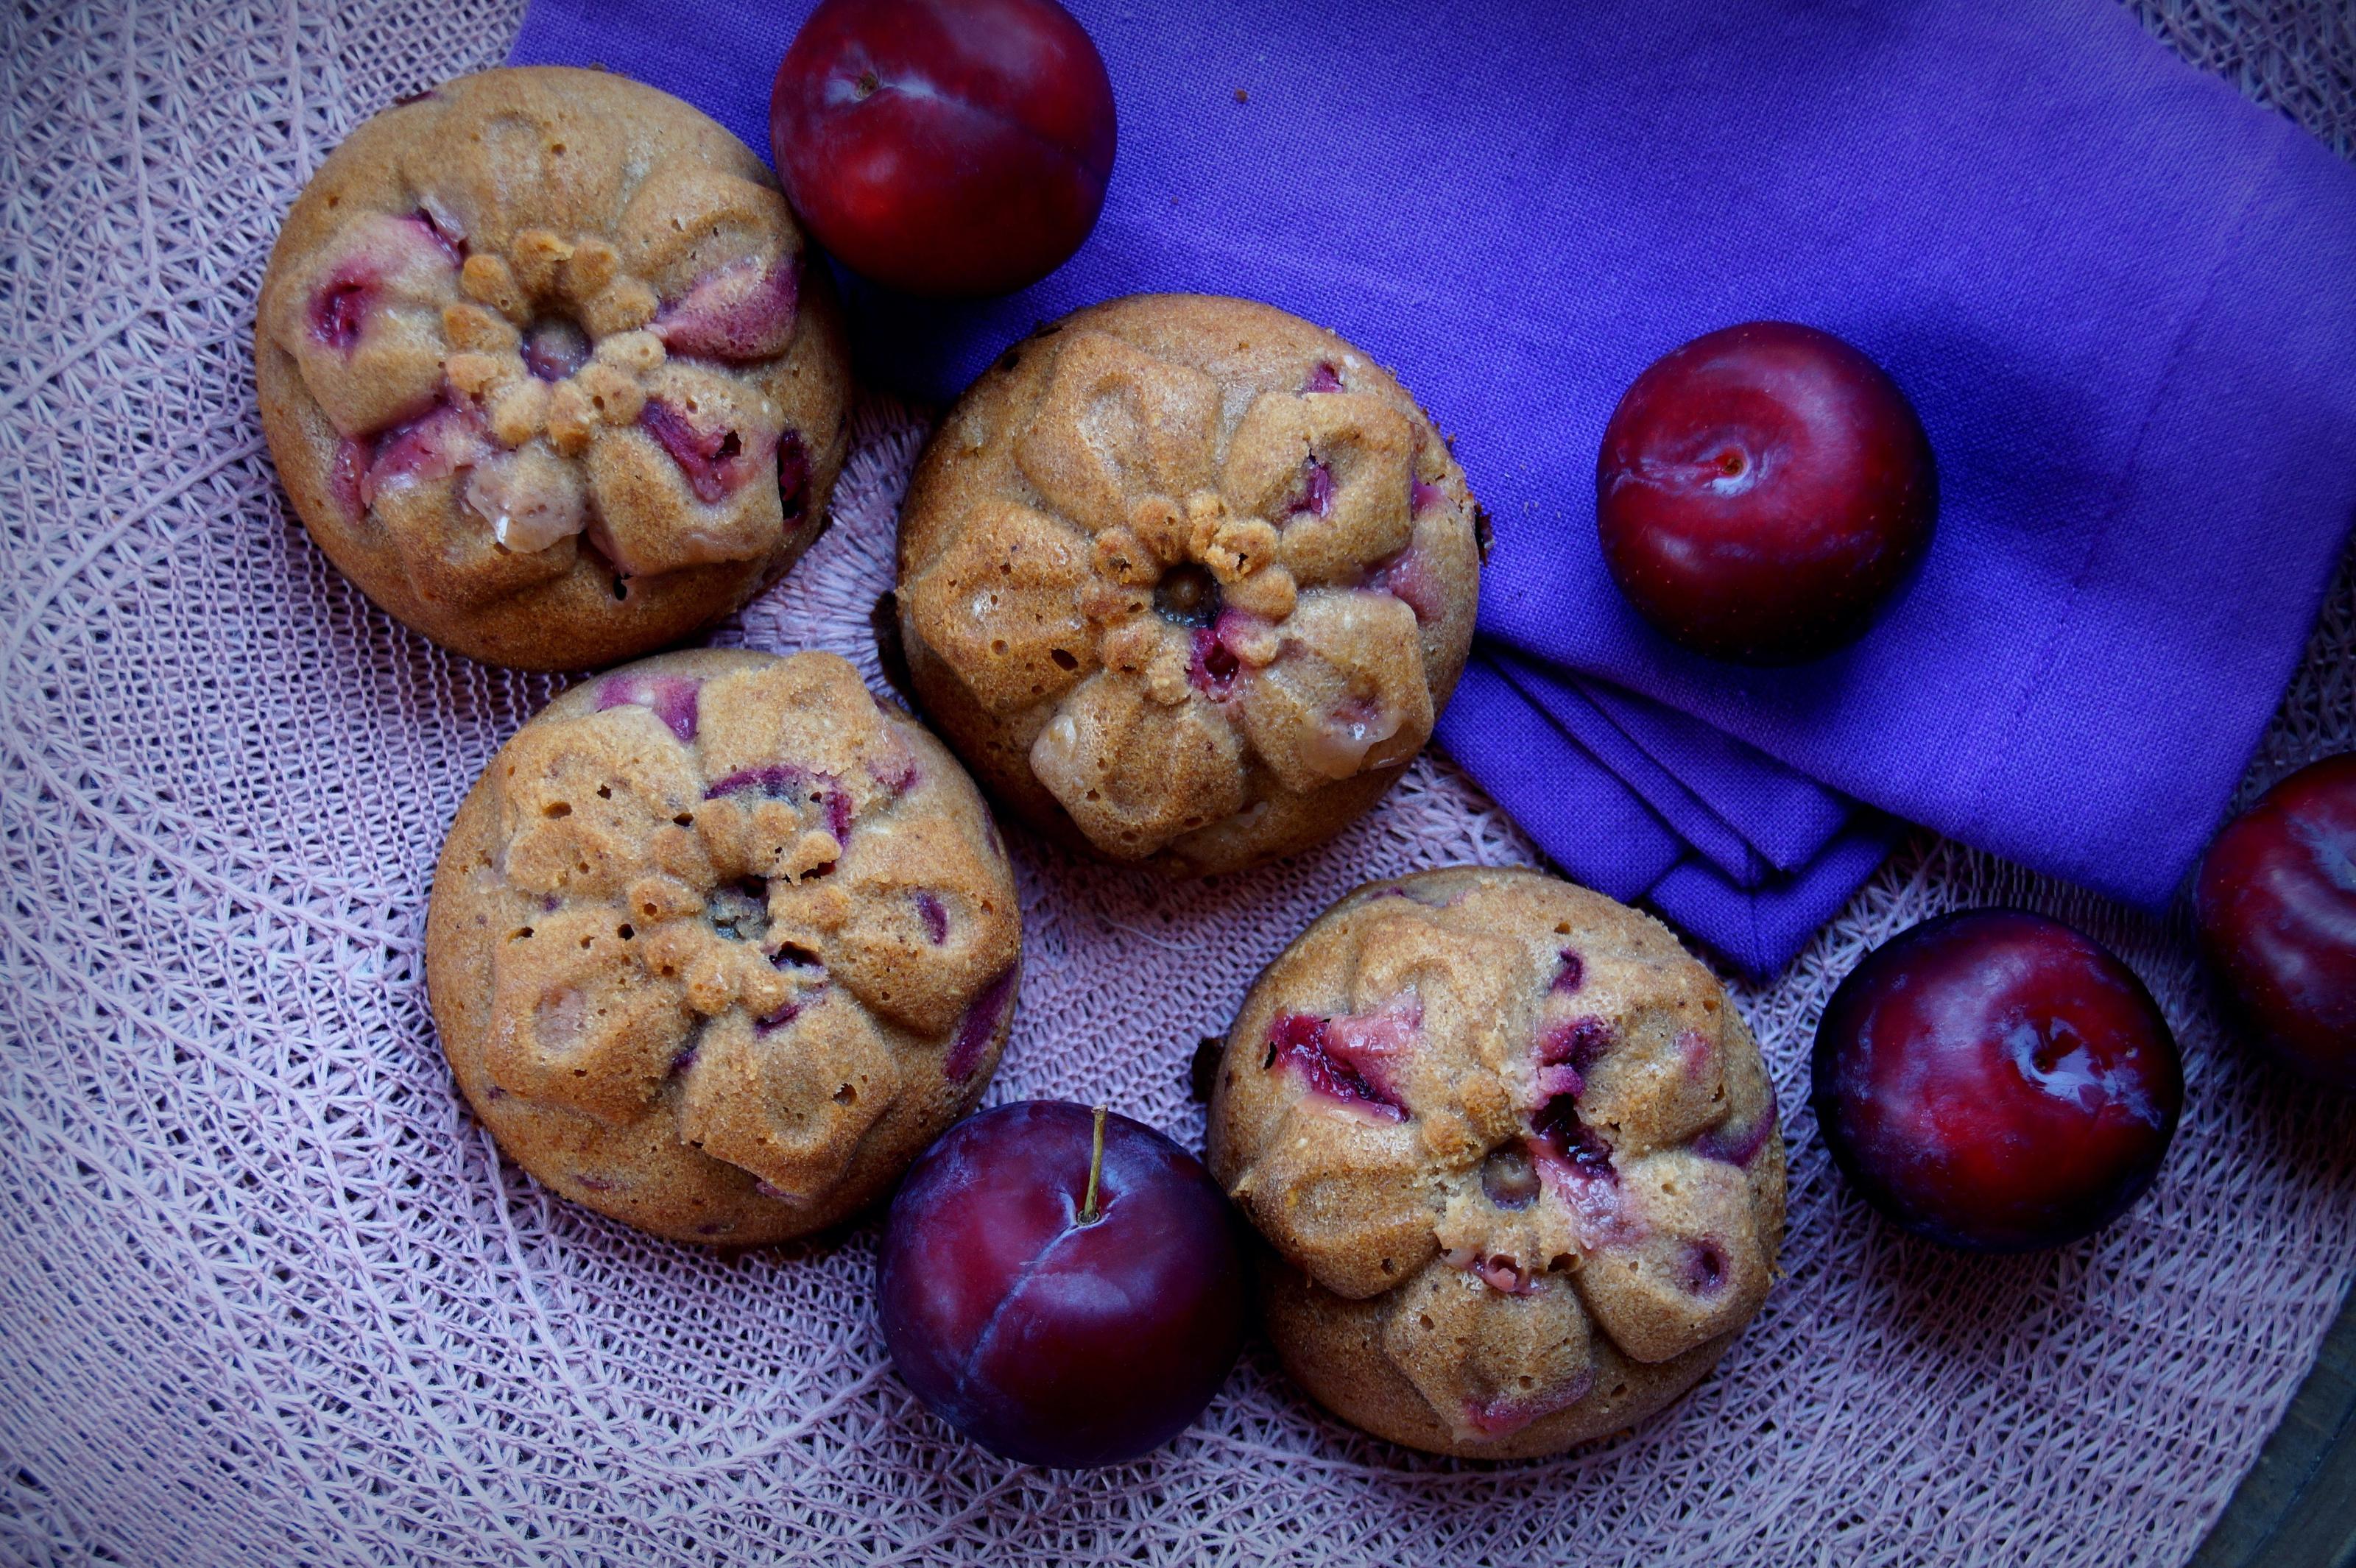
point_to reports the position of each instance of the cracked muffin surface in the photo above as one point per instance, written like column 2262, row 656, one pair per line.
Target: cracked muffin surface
column 1186, row 581
column 1514, row 1154
column 548, row 369
column 720, row 943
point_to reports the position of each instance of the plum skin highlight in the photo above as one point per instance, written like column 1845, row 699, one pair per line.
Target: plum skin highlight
column 945, row 147
column 1763, row 493
column 2274, row 904
column 1997, row 1081
column 1046, row 1337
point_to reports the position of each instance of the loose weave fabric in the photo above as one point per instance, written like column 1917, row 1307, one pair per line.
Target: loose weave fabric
column 267, row 1295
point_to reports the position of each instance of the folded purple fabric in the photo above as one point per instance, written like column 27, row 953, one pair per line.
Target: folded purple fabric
column 2119, row 294
column 1575, row 800
column 1566, row 706
column 1784, row 815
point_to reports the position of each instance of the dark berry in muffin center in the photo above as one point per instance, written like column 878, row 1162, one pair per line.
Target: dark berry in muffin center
column 1508, row 1179
column 1188, row 595
column 554, row 349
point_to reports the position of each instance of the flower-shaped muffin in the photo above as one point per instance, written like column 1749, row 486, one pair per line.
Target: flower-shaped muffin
column 719, row 942
column 545, row 369
column 1514, row 1153
column 1186, row 579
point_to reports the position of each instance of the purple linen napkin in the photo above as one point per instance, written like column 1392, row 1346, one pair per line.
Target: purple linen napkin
column 1593, row 772
column 1566, row 705
column 1608, row 834
column 1784, row 815
column 2119, row 294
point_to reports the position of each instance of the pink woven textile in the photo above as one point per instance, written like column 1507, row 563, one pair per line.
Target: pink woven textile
column 267, row 1295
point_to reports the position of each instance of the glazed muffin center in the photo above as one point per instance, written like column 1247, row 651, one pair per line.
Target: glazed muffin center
column 554, row 347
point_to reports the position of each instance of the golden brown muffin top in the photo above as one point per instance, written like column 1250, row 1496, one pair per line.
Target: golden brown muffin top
column 541, row 307
column 1522, row 1112
column 1198, row 555
column 738, row 887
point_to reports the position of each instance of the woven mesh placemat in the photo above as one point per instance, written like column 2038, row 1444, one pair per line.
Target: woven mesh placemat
column 268, row 1295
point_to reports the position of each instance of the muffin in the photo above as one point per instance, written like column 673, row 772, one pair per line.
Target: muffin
column 1512, row 1154
column 1185, row 580
column 545, row 369
column 719, row 942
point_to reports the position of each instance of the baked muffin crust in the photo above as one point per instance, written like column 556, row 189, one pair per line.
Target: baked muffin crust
column 545, row 367
column 1186, row 581
column 1514, row 1154
column 719, row 942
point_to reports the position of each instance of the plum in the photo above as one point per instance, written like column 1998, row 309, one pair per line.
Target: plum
column 1066, row 1288
column 948, row 147
column 1997, row 1081
column 1763, row 492
column 2275, row 901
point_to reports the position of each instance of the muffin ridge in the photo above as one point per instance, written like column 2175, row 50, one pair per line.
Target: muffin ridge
column 720, row 942
column 1187, row 580
column 1514, row 1156
column 545, row 367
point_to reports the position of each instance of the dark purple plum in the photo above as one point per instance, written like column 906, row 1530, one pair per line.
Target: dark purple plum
column 1762, row 493
column 950, row 148
column 1043, row 1334
column 1994, row 1079
column 2276, row 903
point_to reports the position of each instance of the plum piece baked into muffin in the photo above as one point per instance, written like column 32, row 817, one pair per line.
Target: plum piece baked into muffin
column 547, row 369
column 1186, row 579
column 720, row 943
column 1514, row 1154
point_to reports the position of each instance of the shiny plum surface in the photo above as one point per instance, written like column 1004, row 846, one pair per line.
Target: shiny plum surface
column 2276, row 903
column 949, row 147
column 1995, row 1079
column 1762, row 492
column 1046, row 1338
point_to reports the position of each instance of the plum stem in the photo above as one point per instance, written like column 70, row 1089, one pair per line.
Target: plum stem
column 1096, row 1170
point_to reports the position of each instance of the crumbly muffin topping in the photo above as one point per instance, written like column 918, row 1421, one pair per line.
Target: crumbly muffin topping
column 742, row 905
column 543, row 338
column 1208, row 572
column 1520, row 1113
